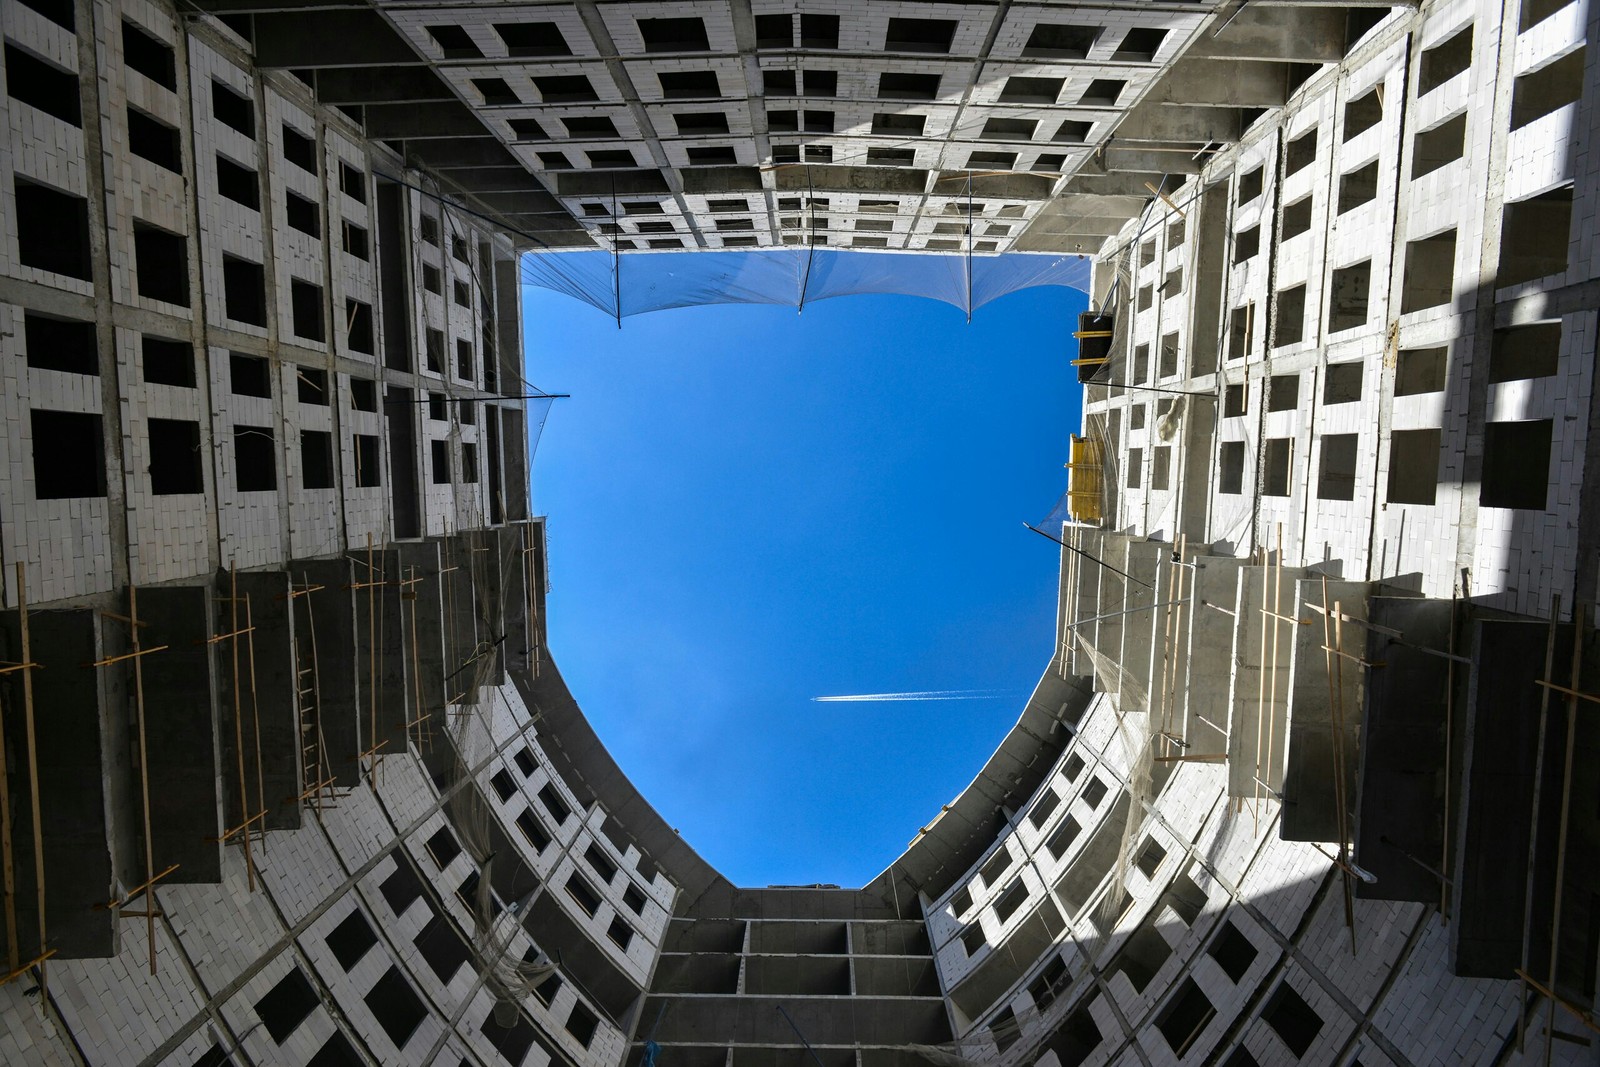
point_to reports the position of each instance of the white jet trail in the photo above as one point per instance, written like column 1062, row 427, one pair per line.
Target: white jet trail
column 928, row 694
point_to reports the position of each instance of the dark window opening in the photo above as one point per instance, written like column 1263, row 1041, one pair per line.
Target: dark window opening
column 434, row 343
column 774, row 31
column 1241, row 328
column 819, row 31
column 591, row 127
column 396, row 1006
column 167, row 362
column 1015, row 896
column 42, row 85
column 1444, row 61
column 302, row 214
column 1102, row 92
column 1421, row 370
column 1233, row 952
column 462, row 294
column 233, row 109
column 891, row 157
column 1250, row 186
column 1049, row 800
column 402, row 888
column 306, row 302
column 336, row 1052
column 1094, row 793
column 512, row 1042
column 1184, row 1017
column 244, row 291
column 674, row 35
column 1362, row 113
column 1230, row 477
column 351, row 939
column 60, row 12
column 1291, row 316
column 311, row 385
column 973, row 939
column 432, row 279
column 440, row 462
column 369, row 467
column 1051, row 982
column 504, row 787
column 161, row 262
column 1073, row 768
column 1246, row 244
column 1440, row 146
column 582, row 893
column 1020, row 90
column 1233, row 402
column 905, row 126
column 901, row 86
column 1140, row 44
column 961, row 903
column 1276, row 454
column 778, row 83
column 249, row 375
column 254, row 468
column 287, row 1005
column 633, row 899
column 532, row 830
column 316, row 459
column 565, row 89
column 356, row 240
column 358, row 323
column 52, row 229
column 454, row 42
column 1548, row 89
column 532, row 39
column 1413, row 466
column 721, row 155
column 821, row 83
column 1359, row 186
column 1337, row 478
column 441, row 946
column 600, row 863
column 1150, row 857
column 1342, row 383
column 1297, row 218
column 1145, row 952
column 620, row 933
column 553, row 803
column 919, row 35
column 581, row 1023
column 239, row 184
column 1009, row 129
column 1519, row 352
column 1429, row 272
column 1135, row 468
column 701, row 123
column 352, row 182
column 1292, row 1019
column 1072, row 131
column 1054, row 40
column 1300, row 153
column 299, row 149
column 495, row 92
column 1516, row 465
column 1347, row 304
column 60, row 344
column 689, row 84
column 175, row 467
column 154, row 140
column 1534, row 237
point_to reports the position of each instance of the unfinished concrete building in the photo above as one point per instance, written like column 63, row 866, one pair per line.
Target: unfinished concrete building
column 290, row 776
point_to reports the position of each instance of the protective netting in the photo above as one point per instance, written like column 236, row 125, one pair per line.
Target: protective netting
column 661, row 280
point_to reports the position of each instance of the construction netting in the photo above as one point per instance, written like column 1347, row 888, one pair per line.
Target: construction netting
column 623, row 285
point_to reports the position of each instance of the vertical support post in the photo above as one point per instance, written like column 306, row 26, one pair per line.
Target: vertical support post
column 372, row 654
column 255, row 716
column 144, row 776
column 7, row 859
column 33, row 757
column 969, row 247
column 1566, row 812
column 238, row 726
column 1533, row 834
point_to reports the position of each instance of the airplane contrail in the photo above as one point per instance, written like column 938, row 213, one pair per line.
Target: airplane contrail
column 927, row 694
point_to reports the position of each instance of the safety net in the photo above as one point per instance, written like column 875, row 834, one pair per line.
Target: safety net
column 623, row 285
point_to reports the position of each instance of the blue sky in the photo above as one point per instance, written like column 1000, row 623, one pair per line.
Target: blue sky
column 749, row 508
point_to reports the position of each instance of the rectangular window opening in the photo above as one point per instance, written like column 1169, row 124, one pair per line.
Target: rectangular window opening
column 1413, row 466
column 1337, row 478
column 1276, row 453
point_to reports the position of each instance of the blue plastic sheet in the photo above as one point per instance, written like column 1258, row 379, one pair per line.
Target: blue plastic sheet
column 657, row 281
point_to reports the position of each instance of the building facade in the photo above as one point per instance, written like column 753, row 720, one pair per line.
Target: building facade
column 292, row 778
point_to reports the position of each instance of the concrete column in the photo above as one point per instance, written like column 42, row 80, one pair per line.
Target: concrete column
column 269, row 702
column 186, row 779
column 1210, row 656
column 72, row 803
column 1310, row 811
column 327, row 618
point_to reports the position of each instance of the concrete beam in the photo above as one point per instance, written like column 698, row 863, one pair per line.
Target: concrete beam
column 1224, row 82
column 339, row 38
column 380, row 85
column 1119, row 184
column 472, row 150
column 1185, row 125
column 1121, row 157
column 1264, row 31
column 421, row 119
column 523, row 202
